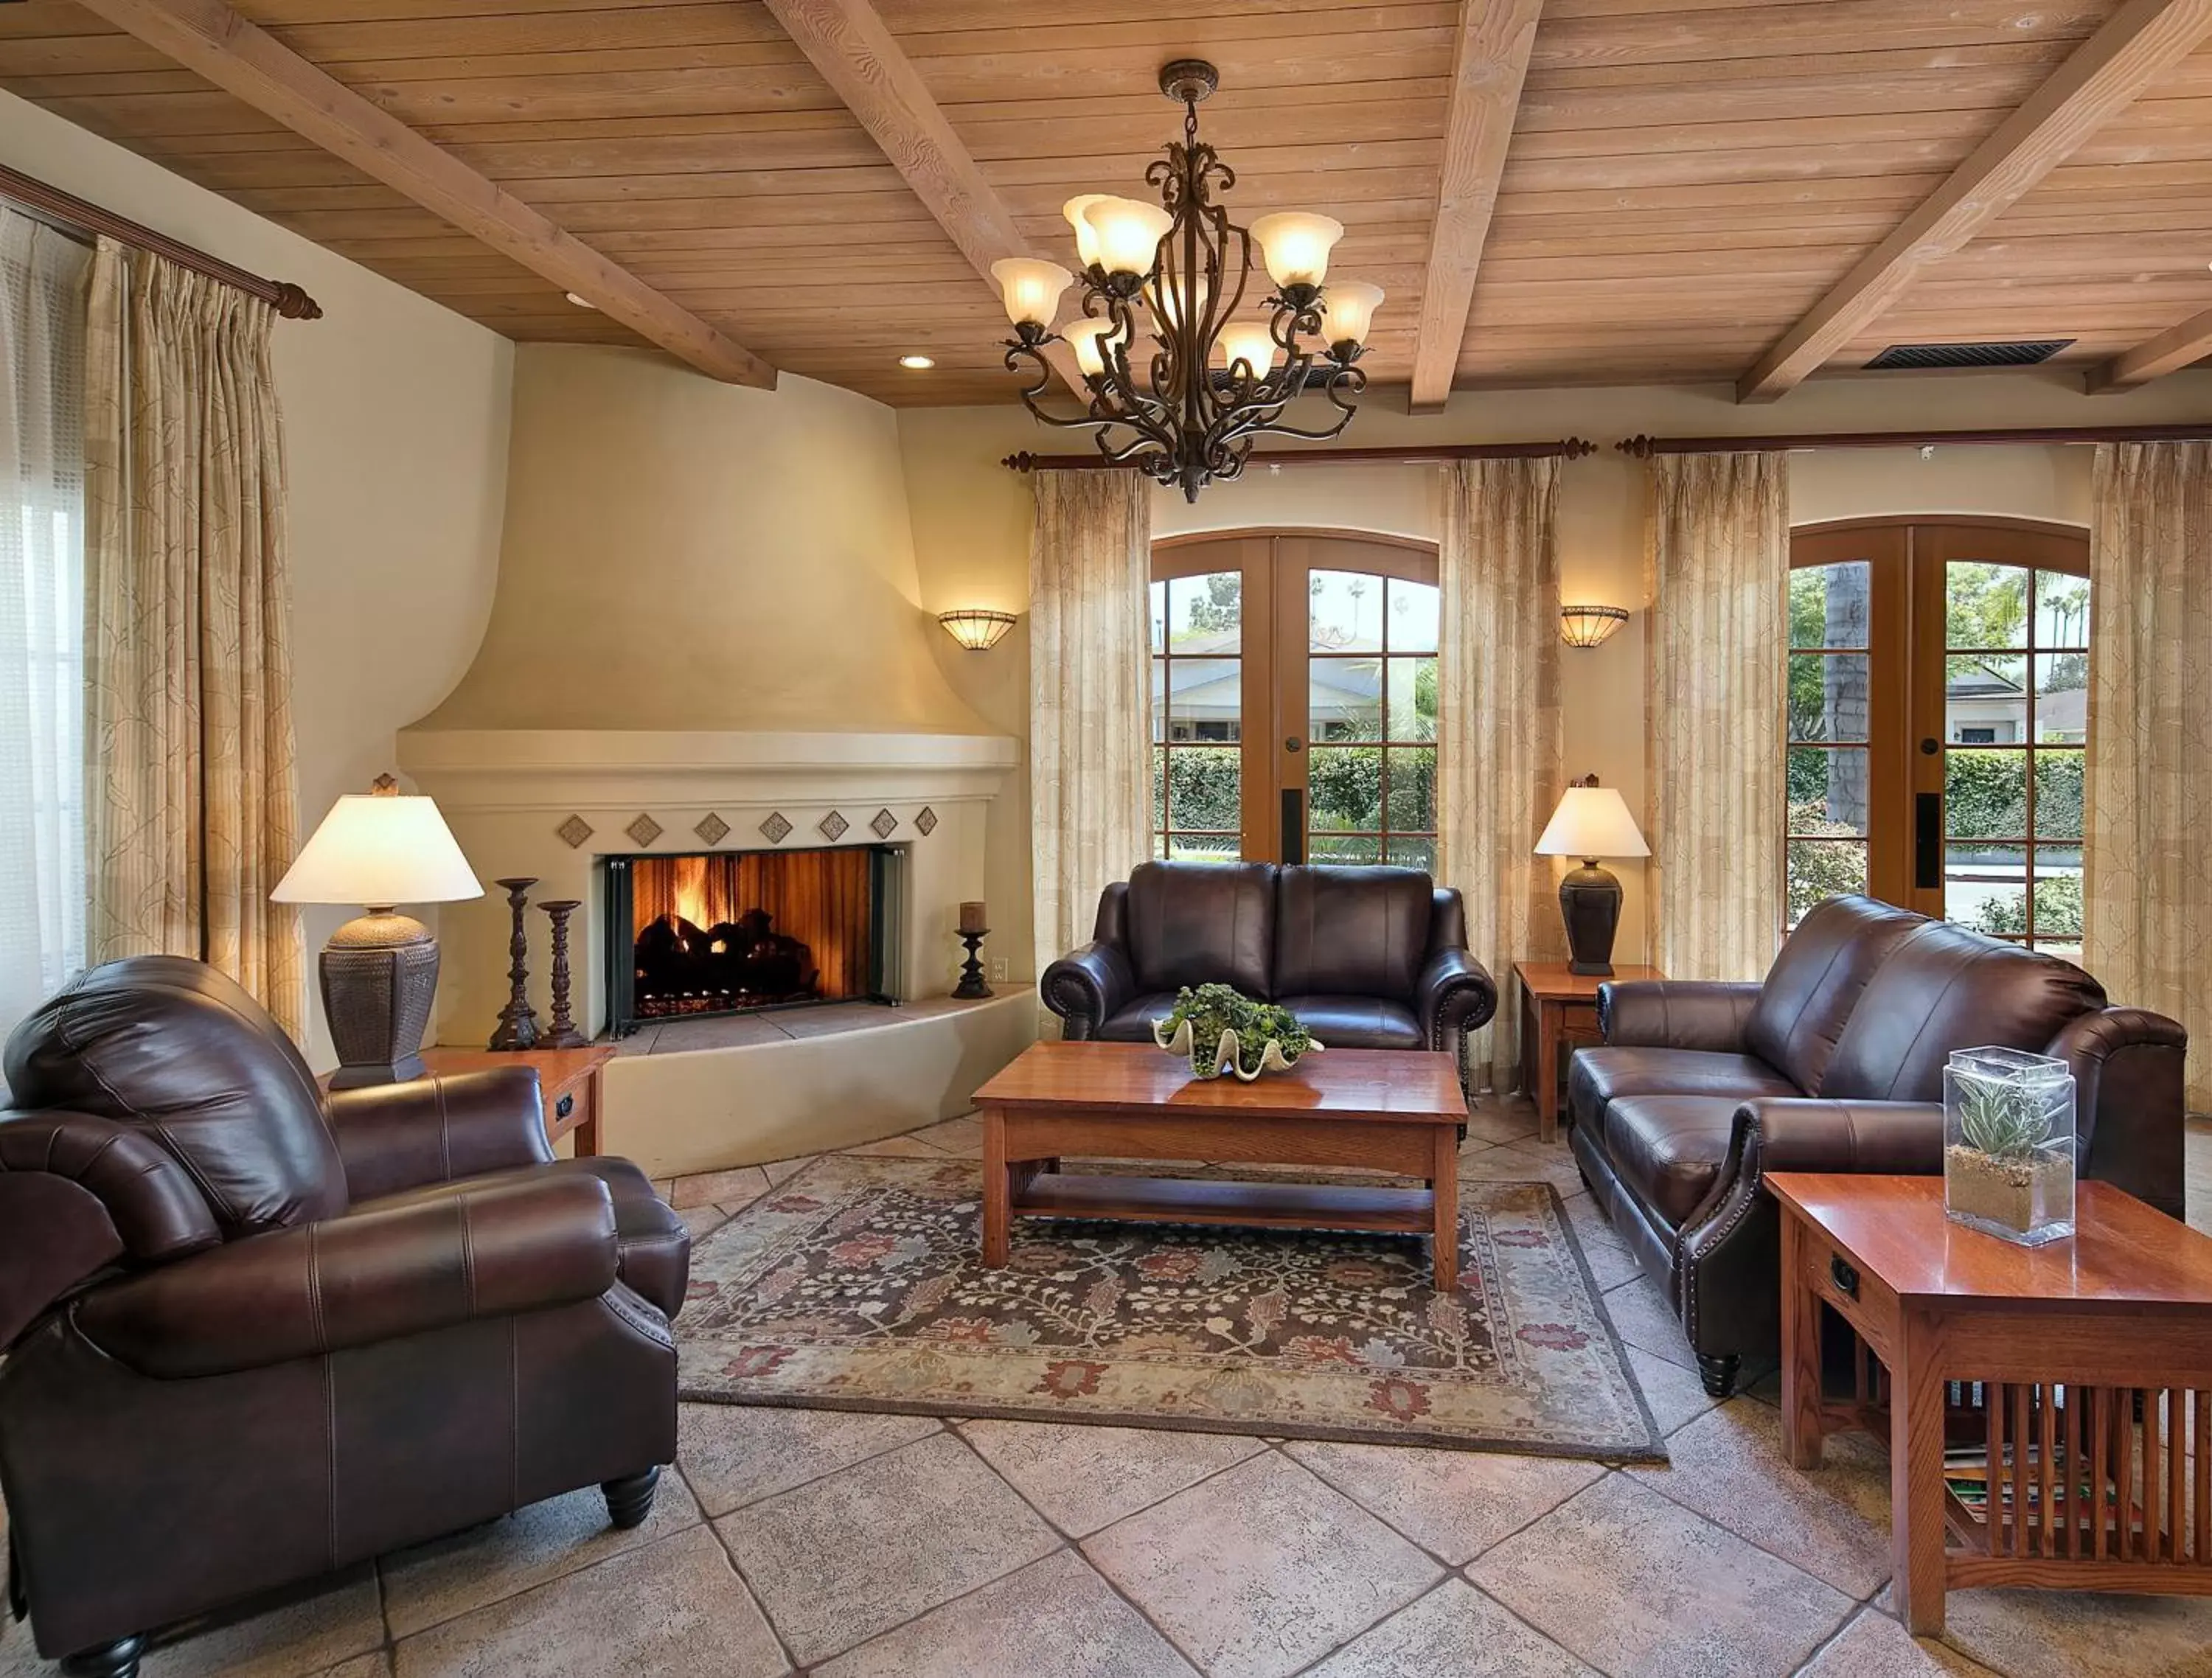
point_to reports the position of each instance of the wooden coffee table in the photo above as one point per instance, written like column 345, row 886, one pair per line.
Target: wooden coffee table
column 1397, row 1111
column 2042, row 1405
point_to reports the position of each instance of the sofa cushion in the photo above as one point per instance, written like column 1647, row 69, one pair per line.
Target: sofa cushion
column 1358, row 1022
column 1667, row 1151
column 1200, row 923
column 1133, row 1021
column 1598, row 1077
column 1351, row 931
column 1817, row 981
column 1944, row 988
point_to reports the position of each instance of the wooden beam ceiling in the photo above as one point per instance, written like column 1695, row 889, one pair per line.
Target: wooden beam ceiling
column 2141, row 41
column 2170, row 350
column 207, row 37
column 1490, row 62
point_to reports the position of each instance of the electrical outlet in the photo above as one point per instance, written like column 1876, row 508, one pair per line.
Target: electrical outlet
column 998, row 968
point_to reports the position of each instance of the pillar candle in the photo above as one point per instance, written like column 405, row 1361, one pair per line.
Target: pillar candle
column 971, row 918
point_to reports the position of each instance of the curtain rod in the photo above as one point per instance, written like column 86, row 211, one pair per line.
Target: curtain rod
column 1567, row 448
column 75, row 214
column 1645, row 447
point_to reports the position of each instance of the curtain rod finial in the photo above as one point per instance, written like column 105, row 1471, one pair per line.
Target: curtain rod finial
column 1641, row 445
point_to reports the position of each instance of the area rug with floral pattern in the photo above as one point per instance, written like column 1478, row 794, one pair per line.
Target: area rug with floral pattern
column 858, row 1285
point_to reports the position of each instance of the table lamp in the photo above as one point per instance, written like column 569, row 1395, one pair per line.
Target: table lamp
column 379, row 970
column 1591, row 822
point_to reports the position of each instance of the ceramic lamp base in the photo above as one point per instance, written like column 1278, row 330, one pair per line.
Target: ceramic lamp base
column 1590, row 899
column 380, row 975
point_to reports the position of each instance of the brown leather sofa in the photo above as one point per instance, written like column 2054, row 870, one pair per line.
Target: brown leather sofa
column 1365, row 958
column 254, row 1335
column 1835, row 1063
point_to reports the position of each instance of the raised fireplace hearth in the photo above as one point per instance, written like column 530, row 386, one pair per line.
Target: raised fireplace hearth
column 717, row 933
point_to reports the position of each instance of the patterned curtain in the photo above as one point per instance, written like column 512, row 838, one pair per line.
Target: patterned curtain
column 1089, row 695
column 2147, row 803
column 1718, row 577
column 1499, row 739
column 193, row 801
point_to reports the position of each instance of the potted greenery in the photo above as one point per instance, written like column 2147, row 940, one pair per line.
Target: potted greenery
column 2009, row 1152
column 1221, row 1030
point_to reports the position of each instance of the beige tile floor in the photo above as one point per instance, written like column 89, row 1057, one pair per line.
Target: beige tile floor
column 897, row 1547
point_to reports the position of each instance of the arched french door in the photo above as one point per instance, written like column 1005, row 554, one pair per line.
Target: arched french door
column 1294, row 696
column 1937, row 698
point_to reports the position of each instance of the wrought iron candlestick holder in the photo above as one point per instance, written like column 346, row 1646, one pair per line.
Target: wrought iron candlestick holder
column 518, row 1020
column 971, row 987
column 561, row 1032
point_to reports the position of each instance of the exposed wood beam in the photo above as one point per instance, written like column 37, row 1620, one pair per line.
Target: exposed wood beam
column 1490, row 60
column 848, row 42
column 2175, row 348
column 2139, row 42
column 245, row 61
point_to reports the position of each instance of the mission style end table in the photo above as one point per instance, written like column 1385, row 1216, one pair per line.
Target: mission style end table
column 2041, row 1404
column 1558, row 1012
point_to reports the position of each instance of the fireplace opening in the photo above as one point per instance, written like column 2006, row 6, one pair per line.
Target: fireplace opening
column 738, row 931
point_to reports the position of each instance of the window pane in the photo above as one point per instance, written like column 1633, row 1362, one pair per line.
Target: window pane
column 2061, row 698
column 1346, row 612
column 1412, row 699
column 1413, row 803
column 1205, row 696
column 1827, row 791
column 1986, row 887
column 1159, row 617
column 1207, row 614
column 2058, row 901
column 1986, row 605
column 1412, row 853
column 1821, row 868
column 2058, row 795
column 1365, row 849
column 1413, row 607
column 1203, row 846
column 1828, row 696
column 1828, row 605
column 1985, row 700
column 1345, row 788
column 2064, row 950
column 2061, row 610
column 1984, row 794
column 1203, row 789
column 1344, row 699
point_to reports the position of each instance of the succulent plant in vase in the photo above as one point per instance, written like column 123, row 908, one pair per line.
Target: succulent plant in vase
column 1219, row 1028
column 2008, row 1144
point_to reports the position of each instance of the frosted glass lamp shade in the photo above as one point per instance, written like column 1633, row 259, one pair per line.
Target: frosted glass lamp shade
column 1348, row 312
column 380, row 850
column 1128, row 233
column 1030, row 288
column 1082, row 337
column 1086, row 236
column 1167, row 297
column 1250, row 343
column 1592, row 822
column 1294, row 244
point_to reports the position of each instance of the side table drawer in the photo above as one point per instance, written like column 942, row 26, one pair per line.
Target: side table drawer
column 1862, row 1298
column 570, row 1107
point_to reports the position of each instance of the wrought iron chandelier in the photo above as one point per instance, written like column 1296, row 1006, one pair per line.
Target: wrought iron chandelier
column 1163, row 288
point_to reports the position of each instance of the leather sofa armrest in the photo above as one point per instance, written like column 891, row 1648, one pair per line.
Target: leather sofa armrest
column 1676, row 1013
column 1455, row 992
column 1087, row 986
column 438, row 1129
column 522, row 1245
column 1803, row 1133
column 2129, row 1106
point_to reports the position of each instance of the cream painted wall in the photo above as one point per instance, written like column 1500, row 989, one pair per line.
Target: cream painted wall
column 971, row 516
column 396, row 431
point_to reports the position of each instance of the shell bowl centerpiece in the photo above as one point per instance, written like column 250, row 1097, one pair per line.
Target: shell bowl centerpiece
column 1219, row 1028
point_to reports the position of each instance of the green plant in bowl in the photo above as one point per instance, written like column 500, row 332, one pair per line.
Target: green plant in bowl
column 1219, row 1028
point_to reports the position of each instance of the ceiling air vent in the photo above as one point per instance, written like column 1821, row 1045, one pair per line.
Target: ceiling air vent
column 2027, row 353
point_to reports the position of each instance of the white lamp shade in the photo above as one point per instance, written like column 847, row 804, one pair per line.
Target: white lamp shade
column 1087, row 237
column 1250, row 343
column 380, row 850
column 1083, row 337
column 1031, row 289
column 1128, row 233
column 1166, row 297
column 1592, row 822
column 1294, row 244
column 1348, row 311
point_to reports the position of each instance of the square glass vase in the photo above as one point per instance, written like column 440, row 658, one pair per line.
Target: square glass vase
column 2008, row 1144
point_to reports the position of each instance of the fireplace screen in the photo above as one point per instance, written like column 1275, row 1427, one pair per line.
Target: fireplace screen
column 729, row 932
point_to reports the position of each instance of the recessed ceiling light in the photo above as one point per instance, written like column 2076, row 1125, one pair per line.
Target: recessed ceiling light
column 917, row 363
column 581, row 303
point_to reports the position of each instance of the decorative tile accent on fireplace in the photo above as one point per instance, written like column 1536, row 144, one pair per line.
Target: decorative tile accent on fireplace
column 736, row 932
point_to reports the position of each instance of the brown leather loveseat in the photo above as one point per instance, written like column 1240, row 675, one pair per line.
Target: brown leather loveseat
column 1835, row 1063
column 253, row 1335
column 1365, row 958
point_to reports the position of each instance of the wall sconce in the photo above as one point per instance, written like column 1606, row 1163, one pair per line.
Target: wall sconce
column 1589, row 626
column 975, row 628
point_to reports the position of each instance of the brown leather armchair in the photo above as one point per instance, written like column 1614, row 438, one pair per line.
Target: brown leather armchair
column 254, row 1335
column 1365, row 958
column 1835, row 1063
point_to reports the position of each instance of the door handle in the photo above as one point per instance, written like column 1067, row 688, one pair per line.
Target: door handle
column 1294, row 824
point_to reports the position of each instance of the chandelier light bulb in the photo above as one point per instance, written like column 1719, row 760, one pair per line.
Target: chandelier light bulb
column 1082, row 337
column 1128, row 233
column 1031, row 289
column 1250, row 343
column 1087, row 237
column 1348, row 311
column 1294, row 244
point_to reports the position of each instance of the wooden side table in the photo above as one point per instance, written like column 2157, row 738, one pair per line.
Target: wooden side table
column 2041, row 1405
column 1558, row 1013
column 567, row 1078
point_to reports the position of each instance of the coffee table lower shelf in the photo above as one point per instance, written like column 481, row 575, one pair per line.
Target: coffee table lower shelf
column 1276, row 1205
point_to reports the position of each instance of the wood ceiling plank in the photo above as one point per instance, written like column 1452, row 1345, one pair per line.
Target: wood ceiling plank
column 1873, row 61
column 2143, row 39
column 1672, row 36
column 1489, row 59
column 243, row 60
